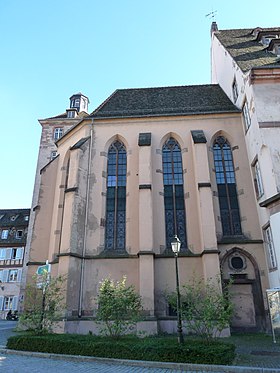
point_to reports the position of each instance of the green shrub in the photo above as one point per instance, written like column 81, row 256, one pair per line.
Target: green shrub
column 43, row 304
column 204, row 308
column 119, row 307
column 152, row 349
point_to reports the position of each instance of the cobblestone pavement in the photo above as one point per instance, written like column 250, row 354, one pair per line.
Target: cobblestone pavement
column 257, row 350
column 27, row 364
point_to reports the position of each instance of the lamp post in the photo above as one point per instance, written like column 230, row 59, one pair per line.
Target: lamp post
column 176, row 245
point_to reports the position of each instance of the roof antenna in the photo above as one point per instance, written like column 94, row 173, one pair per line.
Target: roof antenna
column 212, row 15
column 214, row 26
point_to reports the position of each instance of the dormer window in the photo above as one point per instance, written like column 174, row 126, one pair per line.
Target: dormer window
column 71, row 113
column 234, row 90
column 4, row 234
column 57, row 134
column 274, row 46
column 19, row 234
column 267, row 39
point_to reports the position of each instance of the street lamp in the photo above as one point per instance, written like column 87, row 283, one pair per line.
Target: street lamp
column 176, row 245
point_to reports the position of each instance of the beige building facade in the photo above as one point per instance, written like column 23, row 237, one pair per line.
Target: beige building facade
column 145, row 165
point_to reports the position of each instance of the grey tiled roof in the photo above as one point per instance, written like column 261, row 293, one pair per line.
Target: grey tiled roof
column 165, row 101
column 80, row 115
column 13, row 220
column 246, row 50
column 13, row 217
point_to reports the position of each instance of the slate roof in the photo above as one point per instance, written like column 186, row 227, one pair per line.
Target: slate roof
column 13, row 217
column 80, row 115
column 165, row 101
column 248, row 53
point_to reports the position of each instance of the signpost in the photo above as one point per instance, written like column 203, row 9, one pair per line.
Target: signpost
column 46, row 268
column 43, row 275
column 43, row 279
column 273, row 297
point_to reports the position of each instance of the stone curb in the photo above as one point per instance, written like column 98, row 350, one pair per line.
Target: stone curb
column 146, row 364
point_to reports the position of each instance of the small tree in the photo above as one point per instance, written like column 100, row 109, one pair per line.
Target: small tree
column 205, row 309
column 43, row 304
column 119, row 307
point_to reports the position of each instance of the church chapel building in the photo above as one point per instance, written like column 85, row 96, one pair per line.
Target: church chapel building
column 145, row 165
column 154, row 162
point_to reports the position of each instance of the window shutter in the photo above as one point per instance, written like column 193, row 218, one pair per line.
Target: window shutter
column 5, row 275
column 8, row 253
column 2, row 254
column 1, row 303
column 19, row 253
column 1, row 276
column 19, row 275
column 15, row 303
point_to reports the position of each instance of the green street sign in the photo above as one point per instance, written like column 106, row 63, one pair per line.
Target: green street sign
column 43, row 269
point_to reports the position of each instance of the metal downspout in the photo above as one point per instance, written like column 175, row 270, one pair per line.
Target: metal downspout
column 85, row 226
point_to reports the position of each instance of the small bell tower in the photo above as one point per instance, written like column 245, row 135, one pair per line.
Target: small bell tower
column 79, row 102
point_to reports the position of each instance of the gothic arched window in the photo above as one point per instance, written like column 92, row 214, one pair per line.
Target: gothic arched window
column 116, row 197
column 174, row 203
column 225, row 177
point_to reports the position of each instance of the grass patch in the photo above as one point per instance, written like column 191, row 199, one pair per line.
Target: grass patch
column 129, row 347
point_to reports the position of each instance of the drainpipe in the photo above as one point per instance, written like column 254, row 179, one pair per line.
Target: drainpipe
column 85, row 226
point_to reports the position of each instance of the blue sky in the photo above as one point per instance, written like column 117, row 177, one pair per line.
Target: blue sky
column 51, row 49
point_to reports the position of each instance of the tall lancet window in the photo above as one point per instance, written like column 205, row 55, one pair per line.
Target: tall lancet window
column 116, row 197
column 226, row 183
column 174, row 204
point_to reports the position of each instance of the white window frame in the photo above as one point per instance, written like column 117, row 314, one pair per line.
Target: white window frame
column 272, row 264
column 13, row 275
column 246, row 115
column 77, row 102
column 16, row 253
column 4, row 234
column 57, row 133
column 258, row 180
column 70, row 114
column 8, row 303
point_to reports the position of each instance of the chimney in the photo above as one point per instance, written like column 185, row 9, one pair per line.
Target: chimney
column 214, row 27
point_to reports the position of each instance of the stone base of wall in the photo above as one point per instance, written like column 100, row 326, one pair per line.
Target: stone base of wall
column 142, row 328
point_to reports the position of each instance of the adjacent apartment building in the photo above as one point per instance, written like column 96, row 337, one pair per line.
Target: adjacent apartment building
column 201, row 162
column 13, row 233
column 246, row 64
